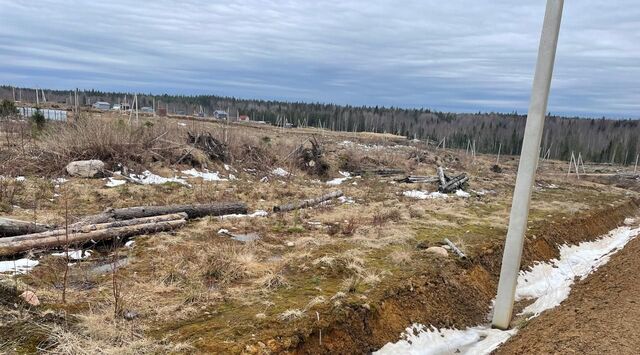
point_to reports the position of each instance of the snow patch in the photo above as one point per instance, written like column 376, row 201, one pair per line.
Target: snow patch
column 20, row 266
column 149, row 178
column 280, row 172
column 346, row 200
column 114, row 182
column 550, row 283
column 59, row 181
column 424, row 195
column 75, row 254
column 337, row 181
column 476, row 340
column 206, row 176
column 258, row 213
column 462, row 194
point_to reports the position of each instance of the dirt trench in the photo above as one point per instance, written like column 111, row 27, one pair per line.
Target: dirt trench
column 601, row 316
column 442, row 292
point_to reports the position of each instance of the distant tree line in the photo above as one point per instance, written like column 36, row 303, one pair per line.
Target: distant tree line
column 599, row 140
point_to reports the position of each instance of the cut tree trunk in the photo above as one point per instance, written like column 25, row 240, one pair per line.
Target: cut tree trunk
column 419, row 179
column 443, row 179
column 192, row 211
column 380, row 172
column 61, row 232
column 307, row 203
column 10, row 227
column 454, row 184
column 17, row 247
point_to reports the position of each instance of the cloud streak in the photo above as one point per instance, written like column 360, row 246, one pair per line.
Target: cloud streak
column 455, row 55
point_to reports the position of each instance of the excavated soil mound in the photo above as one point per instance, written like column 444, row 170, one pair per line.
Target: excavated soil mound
column 601, row 315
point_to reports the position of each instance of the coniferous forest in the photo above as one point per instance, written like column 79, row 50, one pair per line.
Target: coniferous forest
column 599, row 140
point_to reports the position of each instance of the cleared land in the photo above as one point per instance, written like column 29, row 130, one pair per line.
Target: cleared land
column 346, row 276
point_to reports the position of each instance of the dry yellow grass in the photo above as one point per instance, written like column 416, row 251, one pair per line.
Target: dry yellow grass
column 307, row 259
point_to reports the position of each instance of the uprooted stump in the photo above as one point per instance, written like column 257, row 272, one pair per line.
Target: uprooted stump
column 212, row 147
column 311, row 159
column 449, row 184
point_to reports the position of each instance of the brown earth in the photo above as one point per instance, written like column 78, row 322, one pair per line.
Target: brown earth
column 601, row 315
column 451, row 294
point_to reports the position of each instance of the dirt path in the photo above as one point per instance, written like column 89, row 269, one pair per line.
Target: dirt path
column 601, row 315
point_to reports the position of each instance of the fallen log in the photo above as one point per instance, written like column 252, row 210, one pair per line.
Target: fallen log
column 379, row 172
column 192, row 211
column 10, row 227
column 7, row 249
column 419, row 179
column 307, row 203
column 61, row 232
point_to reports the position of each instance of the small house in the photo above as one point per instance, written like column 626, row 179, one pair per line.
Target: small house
column 244, row 118
column 102, row 106
column 220, row 114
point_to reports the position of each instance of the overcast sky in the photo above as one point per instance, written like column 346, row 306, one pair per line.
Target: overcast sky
column 464, row 55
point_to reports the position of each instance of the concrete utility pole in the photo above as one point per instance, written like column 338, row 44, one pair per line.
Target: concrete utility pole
column 527, row 167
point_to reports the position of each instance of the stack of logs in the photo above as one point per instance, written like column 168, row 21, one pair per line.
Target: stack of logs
column 448, row 184
column 116, row 223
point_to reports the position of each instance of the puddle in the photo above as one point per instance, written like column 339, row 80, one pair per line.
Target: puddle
column 108, row 267
column 245, row 238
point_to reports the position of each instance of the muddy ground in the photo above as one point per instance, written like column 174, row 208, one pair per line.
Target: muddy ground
column 601, row 315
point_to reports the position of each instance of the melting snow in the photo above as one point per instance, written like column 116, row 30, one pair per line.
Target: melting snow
column 149, row 178
column 114, row 182
column 548, row 283
column 462, row 194
column 59, row 181
column 206, row 176
column 424, row 195
column 20, row 266
column 337, row 181
column 279, row 172
column 75, row 254
column 476, row 340
column 258, row 213
column 345, row 199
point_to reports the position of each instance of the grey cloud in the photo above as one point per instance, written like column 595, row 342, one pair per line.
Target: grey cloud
column 453, row 55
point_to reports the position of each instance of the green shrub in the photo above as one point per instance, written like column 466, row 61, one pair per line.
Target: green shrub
column 38, row 119
column 8, row 109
